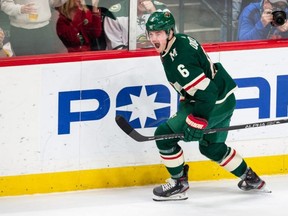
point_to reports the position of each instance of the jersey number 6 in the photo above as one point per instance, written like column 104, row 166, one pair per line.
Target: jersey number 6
column 183, row 71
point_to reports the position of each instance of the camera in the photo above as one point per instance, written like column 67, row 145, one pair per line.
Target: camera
column 279, row 17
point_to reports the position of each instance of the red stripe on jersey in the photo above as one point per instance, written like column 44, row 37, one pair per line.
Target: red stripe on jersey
column 229, row 159
column 172, row 158
column 195, row 83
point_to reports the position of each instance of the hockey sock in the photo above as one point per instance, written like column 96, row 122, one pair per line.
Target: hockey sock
column 174, row 162
column 233, row 162
column 170, row 152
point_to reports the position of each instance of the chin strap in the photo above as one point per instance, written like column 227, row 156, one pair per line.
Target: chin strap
column 168, row 40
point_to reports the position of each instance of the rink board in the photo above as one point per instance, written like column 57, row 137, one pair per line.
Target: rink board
column 58, row 131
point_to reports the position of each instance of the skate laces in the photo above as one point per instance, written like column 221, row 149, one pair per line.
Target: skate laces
column 252, row 178
column 170, row 184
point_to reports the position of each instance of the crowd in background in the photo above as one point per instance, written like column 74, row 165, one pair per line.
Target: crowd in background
column 33, row 27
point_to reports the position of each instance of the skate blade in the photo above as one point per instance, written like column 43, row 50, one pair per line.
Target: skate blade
column 263, row 190
column 260, row 190
column 266, row 190
column 175, row 197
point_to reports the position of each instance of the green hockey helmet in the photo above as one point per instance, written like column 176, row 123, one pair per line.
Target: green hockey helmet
column 160, row 21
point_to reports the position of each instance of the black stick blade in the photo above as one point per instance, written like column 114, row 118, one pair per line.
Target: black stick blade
column 123, row 124
column 126, row 127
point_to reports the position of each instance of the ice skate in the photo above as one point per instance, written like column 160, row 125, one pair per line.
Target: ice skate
column 174, row 189
column 252, row 182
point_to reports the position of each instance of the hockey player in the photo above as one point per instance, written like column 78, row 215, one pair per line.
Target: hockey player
column 206, row 101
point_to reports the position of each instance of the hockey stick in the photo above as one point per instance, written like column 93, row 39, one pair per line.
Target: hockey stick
column 126, row 127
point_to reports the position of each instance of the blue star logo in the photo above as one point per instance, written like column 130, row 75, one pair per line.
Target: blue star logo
column 144, row 106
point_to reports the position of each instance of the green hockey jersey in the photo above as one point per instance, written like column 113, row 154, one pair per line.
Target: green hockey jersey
column 192, row 74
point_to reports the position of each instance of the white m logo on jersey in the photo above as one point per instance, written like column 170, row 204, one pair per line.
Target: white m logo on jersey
column 173, row 54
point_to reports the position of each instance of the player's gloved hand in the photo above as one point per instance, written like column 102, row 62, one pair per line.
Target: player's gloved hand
column 193, row 130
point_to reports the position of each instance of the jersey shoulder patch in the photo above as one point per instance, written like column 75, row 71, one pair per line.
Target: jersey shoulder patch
column 120, row 10
column 115, row 8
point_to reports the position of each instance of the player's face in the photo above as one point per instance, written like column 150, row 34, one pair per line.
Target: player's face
column 158, row 39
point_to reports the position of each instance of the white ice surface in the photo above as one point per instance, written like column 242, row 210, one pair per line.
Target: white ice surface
column 215, row 198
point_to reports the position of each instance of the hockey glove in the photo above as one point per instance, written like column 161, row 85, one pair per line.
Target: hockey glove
column 193, row 129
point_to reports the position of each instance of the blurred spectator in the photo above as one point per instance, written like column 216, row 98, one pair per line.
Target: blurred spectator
column 2, row 36
column 99, row 43
column 256, row 21
column 116, row 29
column 31, row 30
column 5, row 46
column 77, row 26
